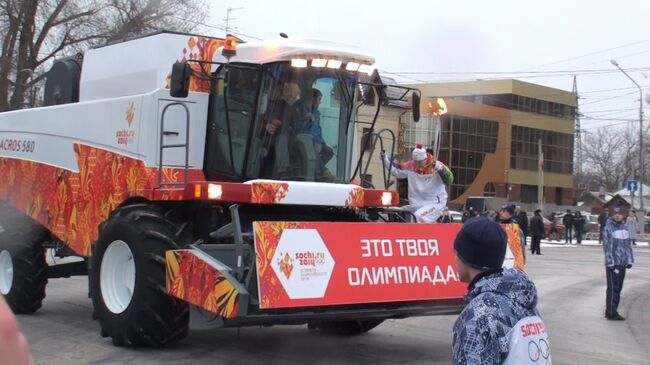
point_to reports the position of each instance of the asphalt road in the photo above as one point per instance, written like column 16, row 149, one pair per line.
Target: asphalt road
column 570, row 282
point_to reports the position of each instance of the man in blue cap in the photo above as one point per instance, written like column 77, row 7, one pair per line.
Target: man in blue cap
column 618, row 258
column 507, row 216
column 500, row 320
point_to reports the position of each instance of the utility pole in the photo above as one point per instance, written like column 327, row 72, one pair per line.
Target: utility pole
column 578, row 133
column 540, row 178
column 641, row 167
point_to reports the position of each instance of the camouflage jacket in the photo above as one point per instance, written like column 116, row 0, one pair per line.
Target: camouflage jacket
column 495, row 302
column 616, row 244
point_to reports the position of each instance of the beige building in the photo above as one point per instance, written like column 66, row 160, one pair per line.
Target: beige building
column 490, row 139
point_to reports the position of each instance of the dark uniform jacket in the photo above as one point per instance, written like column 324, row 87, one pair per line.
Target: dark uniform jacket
column 537, row 226
column 616, row 244
column 495, row 302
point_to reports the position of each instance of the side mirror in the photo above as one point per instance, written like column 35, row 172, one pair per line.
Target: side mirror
column 180, row 84
column 416, row 106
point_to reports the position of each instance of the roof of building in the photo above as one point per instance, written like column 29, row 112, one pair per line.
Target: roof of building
column 493, row 87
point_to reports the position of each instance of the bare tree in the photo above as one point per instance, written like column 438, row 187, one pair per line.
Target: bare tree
column 611, row 157
column 33, row 32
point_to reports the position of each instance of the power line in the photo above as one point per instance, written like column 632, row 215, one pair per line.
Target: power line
column 593, row 53
column 549, row 73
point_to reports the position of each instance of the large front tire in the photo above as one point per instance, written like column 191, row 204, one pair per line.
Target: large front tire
column 128, row 279
column 23, row 270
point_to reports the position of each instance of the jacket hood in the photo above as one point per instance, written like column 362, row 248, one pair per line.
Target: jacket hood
column 513, row 284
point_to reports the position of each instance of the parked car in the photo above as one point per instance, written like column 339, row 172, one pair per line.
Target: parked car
column 555, row 235
column 552, row 236
column 591, row 224
column 456, row 217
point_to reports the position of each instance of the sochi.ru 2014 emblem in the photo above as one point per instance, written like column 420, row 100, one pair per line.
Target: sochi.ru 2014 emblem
column 126, row 136
column 302, row 263
column 286, row 265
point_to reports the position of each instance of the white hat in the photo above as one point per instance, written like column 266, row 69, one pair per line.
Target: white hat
column 419, row 153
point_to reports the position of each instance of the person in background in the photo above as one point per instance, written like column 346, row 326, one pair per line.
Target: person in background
column 14, row 349
column 522, row 220
column 632, row 223
column 553, row 224
column 618, row 258
column 427, row 178
column 579, row 222
column 312, row 121
column 465, row 216
column 567, row 220
column 469, row 213
column 602, row 221
column 284, row 115
column 499, row 305
column 445, row 217
column 492, row 214
column 506, row 216
column 536, row 232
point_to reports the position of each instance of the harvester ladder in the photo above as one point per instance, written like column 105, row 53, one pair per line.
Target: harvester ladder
column 163, row 147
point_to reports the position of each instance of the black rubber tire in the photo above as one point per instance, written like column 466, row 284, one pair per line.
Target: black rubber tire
column 25, row 245
column 152, row 318
column 347, row 328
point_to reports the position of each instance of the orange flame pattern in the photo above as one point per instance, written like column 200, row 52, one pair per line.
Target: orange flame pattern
column 514, row 242
column 191, row 279
column 268, row 192
column 267, row 237
column 201, row 49
column 355, row 198
column 72, row 205
column 286, row 265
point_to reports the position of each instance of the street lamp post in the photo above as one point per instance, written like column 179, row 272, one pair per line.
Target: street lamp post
column 641, row 168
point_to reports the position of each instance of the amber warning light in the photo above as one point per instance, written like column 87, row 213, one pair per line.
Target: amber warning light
column 229, row 47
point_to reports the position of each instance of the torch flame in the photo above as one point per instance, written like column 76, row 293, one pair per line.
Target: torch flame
column 439, row 108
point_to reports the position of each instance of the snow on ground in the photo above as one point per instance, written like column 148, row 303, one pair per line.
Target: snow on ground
column 547, row 243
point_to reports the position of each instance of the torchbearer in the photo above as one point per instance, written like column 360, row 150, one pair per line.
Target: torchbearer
column 427, row 178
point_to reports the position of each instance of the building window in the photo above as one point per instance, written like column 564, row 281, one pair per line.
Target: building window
column 557, row 148
column 528, row 193
column 489, row 190
column 465, row 142
column 522, row 103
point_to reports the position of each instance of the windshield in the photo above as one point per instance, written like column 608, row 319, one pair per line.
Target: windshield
column 280, row 122
column 301, row 130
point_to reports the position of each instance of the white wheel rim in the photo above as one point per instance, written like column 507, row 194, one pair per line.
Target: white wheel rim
column 117, row 276
column 6, row 272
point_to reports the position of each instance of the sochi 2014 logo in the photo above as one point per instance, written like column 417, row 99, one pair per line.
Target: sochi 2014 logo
column 285, row 264
column 302, row 263
column 126, row 136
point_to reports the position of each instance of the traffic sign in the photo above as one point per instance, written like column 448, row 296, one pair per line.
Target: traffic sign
column 632, row 185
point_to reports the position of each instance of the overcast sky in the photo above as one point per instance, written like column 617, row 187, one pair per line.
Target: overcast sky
column 464, row 40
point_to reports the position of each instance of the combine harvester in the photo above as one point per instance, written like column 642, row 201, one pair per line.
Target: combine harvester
column 168, row 187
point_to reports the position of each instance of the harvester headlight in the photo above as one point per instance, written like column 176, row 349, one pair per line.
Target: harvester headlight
column 215, row 191
column 352, row 66
column 386, row 198
column 298, row 62
column 367, row 69
column 334, row 64
column 318, row 62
